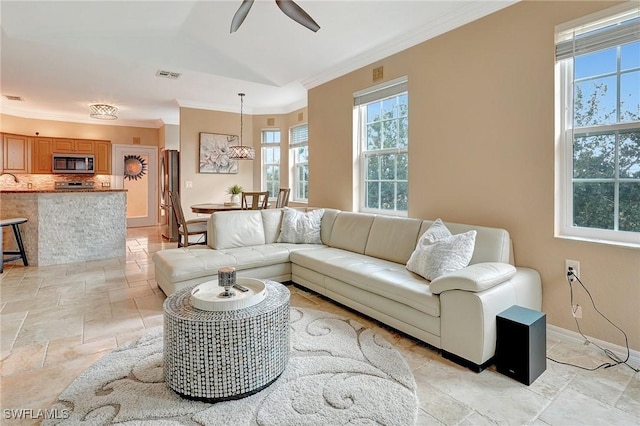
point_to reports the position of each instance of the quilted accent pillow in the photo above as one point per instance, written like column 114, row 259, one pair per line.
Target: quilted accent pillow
column 299, row 227
column 439, row 252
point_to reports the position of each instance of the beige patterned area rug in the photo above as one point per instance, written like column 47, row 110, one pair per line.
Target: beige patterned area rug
column 338, row 373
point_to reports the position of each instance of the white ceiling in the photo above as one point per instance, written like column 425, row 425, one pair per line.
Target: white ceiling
column 61, row 56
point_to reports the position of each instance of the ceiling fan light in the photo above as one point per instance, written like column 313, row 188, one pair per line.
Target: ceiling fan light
column 103, row 112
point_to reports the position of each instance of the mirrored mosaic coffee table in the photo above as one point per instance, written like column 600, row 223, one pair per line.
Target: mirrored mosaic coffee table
column 215, row 356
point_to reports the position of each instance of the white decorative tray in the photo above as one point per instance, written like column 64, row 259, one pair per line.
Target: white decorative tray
column 207, row 296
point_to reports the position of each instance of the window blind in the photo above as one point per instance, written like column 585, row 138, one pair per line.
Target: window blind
column 624, row 28
column 381, row 91
column 299, row 135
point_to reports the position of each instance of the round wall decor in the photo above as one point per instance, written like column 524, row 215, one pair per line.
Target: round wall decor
column 134, row 167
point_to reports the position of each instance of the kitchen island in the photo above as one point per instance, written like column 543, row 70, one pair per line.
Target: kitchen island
column 66, row 226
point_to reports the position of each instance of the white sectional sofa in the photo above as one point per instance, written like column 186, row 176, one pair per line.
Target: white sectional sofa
column 361, row 264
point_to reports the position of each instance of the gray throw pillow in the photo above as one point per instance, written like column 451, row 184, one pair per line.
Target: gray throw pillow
column 439, row 252
column 299, row 227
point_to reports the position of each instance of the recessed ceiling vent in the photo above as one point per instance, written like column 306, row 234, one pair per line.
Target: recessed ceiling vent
column 168, row 74
column 14, row 98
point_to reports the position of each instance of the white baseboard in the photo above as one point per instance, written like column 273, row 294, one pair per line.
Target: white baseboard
column 569, row 336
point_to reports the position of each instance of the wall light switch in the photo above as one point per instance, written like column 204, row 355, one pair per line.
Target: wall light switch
column 189, row 184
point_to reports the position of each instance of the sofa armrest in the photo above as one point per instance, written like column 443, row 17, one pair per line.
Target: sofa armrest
column 476, row 277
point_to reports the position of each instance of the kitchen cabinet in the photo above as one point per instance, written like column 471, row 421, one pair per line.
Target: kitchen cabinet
column 41, row 159
column 16, row 152
column 23, row 154
column 78, row 146
column 103, row 157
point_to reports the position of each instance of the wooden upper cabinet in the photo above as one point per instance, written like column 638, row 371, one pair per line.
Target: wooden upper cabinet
column 42, row 149
column 16, row 154
column 103, row 157
column 23, row 154
column 85, row 146
column 80, row 146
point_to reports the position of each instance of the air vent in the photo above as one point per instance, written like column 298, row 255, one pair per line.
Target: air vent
column 14, row 98
column 168, row 74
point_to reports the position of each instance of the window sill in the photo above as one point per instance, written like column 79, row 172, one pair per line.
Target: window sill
column 621, row 244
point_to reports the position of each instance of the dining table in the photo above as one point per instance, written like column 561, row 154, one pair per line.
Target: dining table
column 209, row 208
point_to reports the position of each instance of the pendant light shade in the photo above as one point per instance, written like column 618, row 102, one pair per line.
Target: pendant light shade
column 241, row 152
column 103, row 112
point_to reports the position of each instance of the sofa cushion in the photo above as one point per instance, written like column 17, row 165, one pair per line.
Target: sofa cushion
column 301, row 227
column 438, row 252
column 477, row 277
column 326, row 226
column 187, row 263
column 271, row 220
column 382, row 277
column 247, row 226
column 351, row 231
column 392, row 238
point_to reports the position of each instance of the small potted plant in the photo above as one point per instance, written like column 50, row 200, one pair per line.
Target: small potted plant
column 235, row 192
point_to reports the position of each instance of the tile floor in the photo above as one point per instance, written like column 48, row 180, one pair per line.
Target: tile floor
column 55, row 321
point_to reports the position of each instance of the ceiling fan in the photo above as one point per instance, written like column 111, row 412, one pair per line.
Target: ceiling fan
column 289, row 7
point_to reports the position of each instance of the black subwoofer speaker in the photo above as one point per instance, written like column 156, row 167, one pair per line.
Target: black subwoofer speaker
column 521, row 344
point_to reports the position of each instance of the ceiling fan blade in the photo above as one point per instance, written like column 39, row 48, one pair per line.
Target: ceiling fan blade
column 241, row 13
column 295, row 12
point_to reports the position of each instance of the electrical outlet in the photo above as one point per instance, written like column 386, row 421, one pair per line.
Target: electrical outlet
column 575, row 264
column 576, row 310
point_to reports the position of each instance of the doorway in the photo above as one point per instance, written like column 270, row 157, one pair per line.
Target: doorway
column 135, row 169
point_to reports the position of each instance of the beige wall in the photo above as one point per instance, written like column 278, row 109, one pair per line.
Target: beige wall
column 62, row 129
column 210, row 187
column 481, row 129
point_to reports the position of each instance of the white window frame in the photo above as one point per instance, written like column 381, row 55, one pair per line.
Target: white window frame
column 268, row 146
column 296, row 165
column 564, row 227
column 376, row 93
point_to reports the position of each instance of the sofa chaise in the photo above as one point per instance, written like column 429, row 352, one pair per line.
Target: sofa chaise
column 360, row 262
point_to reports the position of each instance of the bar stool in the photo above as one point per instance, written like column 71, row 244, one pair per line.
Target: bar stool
column 14, row 255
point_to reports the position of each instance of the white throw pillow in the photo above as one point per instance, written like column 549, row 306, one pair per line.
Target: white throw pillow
column 300, row 227
column 439, row 252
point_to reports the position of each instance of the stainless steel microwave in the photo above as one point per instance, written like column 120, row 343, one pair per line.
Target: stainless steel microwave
column 73, row 163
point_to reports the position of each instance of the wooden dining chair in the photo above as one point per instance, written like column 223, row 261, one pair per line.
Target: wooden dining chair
column 259, row 200
column 187, row 227
column 283, row 197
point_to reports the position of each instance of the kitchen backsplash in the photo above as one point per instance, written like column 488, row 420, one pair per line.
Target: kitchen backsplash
column 47, row 182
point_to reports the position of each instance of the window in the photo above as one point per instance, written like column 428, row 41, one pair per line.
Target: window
column 299, row 145
column 598, row 66
column 271, row 162
column 382, row 120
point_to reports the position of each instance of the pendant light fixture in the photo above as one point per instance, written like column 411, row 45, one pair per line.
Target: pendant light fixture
column 103, row 112
column 241, row 152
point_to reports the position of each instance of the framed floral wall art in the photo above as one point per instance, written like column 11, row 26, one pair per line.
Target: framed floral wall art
column 214, row 153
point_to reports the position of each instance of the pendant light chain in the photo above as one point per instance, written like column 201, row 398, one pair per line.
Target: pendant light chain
column 241, row 152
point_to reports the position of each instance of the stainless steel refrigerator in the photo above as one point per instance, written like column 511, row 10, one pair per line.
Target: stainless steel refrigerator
column 170, row 181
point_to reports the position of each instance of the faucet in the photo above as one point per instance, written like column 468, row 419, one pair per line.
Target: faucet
column 11, row 174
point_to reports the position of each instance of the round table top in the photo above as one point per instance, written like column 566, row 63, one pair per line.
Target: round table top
column 213, row 207
column 178, row 305
column 12, row 221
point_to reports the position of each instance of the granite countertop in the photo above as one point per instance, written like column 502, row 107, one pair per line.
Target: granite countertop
column 50, row 190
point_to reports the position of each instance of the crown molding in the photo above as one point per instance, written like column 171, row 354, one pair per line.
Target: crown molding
column 301, row 103
column 471, row 12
